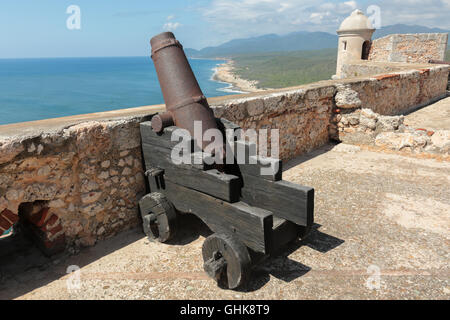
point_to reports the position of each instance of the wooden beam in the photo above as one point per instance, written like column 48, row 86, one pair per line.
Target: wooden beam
column 158, row 156
column 212, row 182
column 251, row 225
column 221, row 185
column 285, row 199
column 163, row 139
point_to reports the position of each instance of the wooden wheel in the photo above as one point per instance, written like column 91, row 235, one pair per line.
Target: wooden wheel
column 159, row 217
column 227, row 260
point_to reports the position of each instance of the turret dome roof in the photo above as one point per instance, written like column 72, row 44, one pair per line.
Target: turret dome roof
column 356, row 21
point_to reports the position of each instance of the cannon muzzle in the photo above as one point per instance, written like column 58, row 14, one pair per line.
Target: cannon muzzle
column 185, row 102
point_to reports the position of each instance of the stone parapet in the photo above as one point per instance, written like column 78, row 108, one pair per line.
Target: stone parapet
column 410, row 48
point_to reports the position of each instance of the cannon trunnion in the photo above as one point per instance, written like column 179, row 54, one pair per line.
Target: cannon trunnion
column 251, row 215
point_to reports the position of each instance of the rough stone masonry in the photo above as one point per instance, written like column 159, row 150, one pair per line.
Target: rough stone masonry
column 88, row 175
column 410, row 48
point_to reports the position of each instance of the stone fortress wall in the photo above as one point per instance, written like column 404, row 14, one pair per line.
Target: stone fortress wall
column 410, row 48
column 88, row 175
column 77, row 180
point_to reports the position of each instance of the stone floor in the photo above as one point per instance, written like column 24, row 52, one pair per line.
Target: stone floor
column 382, row 232
column 435, row 116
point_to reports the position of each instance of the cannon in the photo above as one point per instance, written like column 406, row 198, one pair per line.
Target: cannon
column 185, row 102
column 251, row 215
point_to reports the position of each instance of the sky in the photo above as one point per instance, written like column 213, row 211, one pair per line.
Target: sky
column 39, row 28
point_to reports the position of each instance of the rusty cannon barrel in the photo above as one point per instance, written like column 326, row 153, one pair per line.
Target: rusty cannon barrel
column 185, row 102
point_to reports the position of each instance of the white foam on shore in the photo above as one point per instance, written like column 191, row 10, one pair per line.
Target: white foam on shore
column 230, row 88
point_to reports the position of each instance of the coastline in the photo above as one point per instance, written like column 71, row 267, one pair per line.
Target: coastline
column 224, row 73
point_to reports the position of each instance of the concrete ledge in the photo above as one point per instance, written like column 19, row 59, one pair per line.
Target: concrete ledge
column 33, row 128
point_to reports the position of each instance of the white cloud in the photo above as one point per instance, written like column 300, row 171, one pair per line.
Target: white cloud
column 244, row 18
column 171, row 26
column 430, row 13
column 348, row 6
column 284, row 6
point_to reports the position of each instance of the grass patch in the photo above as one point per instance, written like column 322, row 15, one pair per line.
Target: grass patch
column 284, row 69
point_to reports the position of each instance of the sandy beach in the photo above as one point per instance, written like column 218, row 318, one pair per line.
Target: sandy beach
column 224, row 73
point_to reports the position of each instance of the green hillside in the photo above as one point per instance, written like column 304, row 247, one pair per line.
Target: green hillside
column 284, row 69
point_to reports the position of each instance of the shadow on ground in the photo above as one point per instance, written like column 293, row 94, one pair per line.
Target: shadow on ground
column 24, row 268
column 282, row 267
column 279, row 265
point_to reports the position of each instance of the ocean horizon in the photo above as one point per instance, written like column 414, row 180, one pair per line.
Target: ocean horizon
column 43, row 88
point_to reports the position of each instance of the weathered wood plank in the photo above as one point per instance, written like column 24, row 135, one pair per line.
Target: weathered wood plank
column 252, row 163
column 157, row 156
column 221, row 185
column 251, row 225
column 163, row 139
column 212, row 182
column 285, row 199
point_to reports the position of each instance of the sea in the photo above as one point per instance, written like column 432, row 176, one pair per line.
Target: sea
column 34, row 89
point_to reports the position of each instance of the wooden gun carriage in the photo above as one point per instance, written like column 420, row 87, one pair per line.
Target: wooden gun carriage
column 251, row 215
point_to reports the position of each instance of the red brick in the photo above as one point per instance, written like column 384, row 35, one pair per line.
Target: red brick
column 4, row 224
column 387, row 76
column 50, row 223
column 54, row 230
column 424, row 71
column 38, row 219
column 9, row 215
